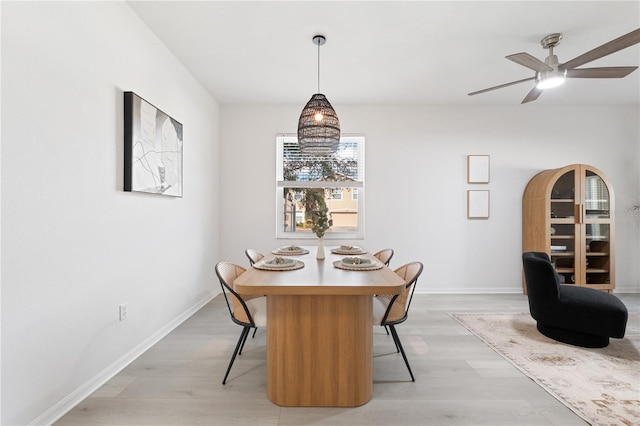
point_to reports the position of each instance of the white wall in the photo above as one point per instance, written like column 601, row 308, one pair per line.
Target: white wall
column 74, row 245
column 416, row 182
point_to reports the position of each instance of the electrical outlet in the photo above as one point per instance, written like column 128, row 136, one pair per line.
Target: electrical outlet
column 123, row 312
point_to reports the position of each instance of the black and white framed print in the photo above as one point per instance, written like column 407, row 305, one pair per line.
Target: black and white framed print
column 152, row 149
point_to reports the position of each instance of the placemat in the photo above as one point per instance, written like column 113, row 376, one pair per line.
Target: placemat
column 296, row 265
column 289, row 253
column 348, row 252
column 375, row 265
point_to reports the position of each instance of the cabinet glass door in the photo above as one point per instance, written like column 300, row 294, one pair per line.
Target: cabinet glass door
column 563, row 227
column 596, row 197
column 597, row 229
column 597, row 265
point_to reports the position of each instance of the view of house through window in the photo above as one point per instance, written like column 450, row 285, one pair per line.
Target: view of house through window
column 339, row 178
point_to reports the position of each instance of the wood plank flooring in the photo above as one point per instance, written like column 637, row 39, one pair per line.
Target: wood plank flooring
column 459, row 380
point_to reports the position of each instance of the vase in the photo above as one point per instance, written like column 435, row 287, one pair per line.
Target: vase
column 320, row 253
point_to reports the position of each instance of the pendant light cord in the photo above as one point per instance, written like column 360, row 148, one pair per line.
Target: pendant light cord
column 318, row 68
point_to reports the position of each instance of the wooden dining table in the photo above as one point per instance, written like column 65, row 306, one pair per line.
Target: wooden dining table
column 319, row 329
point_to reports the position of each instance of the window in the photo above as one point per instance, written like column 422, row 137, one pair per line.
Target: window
column 333, row 176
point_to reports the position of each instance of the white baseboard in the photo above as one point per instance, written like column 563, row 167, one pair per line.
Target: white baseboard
column 54, row 413
column 503, row 290
column 626, row 290
column 479, row 290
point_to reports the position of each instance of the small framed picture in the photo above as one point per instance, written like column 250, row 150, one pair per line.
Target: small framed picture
column 477, row 169
column 478, row 204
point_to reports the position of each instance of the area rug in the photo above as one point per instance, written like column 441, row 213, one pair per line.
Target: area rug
column 600, row 385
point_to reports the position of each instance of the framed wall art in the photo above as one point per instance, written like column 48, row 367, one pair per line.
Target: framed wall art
column 477, row 169
column 478, row 204
column 152, row 149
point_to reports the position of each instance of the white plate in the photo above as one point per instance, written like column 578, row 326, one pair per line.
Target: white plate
column 345, row 250
column 284, row 263
column 288, row 249
column 350, row 262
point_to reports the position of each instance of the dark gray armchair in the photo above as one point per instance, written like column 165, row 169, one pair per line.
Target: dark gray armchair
column 576, row 315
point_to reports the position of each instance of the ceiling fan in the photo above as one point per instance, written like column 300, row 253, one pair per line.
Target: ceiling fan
column 550, row 73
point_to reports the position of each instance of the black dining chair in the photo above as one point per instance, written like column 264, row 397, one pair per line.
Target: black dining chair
column 393, row 309
column 246, row 311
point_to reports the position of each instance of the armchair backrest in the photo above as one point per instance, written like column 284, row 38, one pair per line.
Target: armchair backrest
column 543, row 287
column 537, row 254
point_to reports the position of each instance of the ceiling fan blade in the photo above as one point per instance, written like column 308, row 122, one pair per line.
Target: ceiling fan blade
column 501, row 86
column 532, row 95
column 605, row 72
column 606, row 49
column 529, row 61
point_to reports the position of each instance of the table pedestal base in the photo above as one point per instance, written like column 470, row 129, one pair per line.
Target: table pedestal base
column 319, row 350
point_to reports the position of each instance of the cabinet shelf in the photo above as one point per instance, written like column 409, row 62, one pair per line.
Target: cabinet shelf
column 562, row 253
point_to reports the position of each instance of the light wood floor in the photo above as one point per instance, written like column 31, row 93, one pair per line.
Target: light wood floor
column 459, row 380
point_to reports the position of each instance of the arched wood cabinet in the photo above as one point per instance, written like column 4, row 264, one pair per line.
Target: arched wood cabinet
column 568, row 213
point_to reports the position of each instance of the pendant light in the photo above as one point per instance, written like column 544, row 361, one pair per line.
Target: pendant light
column 318, row 126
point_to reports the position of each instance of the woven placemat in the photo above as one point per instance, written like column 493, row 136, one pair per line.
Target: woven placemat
column 296, row 265
column 375, row 265
column 348, row 252
column 290, row 253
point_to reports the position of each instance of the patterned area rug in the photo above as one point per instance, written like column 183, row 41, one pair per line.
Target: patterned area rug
column 600, row 385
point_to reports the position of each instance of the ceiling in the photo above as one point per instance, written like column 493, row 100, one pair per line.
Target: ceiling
column 392, row 52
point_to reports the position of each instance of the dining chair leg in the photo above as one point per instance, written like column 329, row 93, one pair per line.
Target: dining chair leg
column 386, row 329
column 254, row 332
column 396, row 338
column 244, row 340
column 243, row 337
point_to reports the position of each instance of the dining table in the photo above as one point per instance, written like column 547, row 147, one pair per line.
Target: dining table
column 319, row 325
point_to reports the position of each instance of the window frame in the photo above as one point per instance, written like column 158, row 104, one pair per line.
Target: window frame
column 359, row 183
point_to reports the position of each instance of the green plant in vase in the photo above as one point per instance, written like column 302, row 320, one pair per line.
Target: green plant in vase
column 317, row 210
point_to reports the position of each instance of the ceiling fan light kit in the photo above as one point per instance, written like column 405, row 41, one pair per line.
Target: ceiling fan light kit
column 318, row 125
column 551, row 73
column 549, row 79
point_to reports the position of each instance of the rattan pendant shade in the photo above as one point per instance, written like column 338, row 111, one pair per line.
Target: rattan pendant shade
column 321, row 136
column 318, row 126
